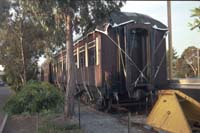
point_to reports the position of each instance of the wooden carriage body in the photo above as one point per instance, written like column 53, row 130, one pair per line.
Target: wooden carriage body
column 130, row 50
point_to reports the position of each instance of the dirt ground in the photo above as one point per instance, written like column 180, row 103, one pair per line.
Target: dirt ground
column 92, row 121
column 33, row 124
column 20, row 124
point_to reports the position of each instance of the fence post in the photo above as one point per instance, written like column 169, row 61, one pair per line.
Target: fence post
column 37, row 122
column 79, row 114
column 129, row 122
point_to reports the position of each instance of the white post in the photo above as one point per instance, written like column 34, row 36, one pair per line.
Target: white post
column 97, row 51
column 86, row 55
column 77, row 57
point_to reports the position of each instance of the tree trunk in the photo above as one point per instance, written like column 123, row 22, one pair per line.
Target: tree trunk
column 22, row 54
column 193, row 69
column 70, row 71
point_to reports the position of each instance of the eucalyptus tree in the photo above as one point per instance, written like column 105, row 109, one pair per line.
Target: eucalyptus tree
column 187, row 65
column 196, row 15
column 73, row 15
column 22, row 43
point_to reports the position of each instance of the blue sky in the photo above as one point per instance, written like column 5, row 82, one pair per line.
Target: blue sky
column 182, row 36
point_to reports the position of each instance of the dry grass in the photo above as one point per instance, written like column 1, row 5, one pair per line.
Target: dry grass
column 55, row 123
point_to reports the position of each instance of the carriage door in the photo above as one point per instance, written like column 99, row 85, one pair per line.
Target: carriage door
column 137, row 67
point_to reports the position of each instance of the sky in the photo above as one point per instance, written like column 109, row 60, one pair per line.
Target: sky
column 1, row 68
column 182, row 36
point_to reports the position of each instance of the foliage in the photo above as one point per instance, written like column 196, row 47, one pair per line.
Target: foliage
column 34, row 97
column 187, row 64
column 36, row 27
column 196, row 15
column 86, row 14
column 22, row 43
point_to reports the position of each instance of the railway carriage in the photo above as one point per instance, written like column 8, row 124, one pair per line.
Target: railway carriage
column 122, row 61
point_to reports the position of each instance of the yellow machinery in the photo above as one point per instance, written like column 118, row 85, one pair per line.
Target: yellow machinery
column 175, row 112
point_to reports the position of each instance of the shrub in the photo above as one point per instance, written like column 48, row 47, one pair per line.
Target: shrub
column 35, row 97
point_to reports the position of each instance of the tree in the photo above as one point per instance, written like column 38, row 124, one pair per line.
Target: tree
column 22, row 44
column 187, row 64
column 74, row 14
column 174, row 61
column 196, row 14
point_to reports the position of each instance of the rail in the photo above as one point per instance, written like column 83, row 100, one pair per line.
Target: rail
column 184, row 83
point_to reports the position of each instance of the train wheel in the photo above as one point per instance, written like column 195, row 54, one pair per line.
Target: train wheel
column 100, row 104
column 108, row 106
column 103, row 104
column 85, row 99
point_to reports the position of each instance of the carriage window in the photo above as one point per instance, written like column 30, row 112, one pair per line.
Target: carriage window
column 91, row 56
column 82, row 59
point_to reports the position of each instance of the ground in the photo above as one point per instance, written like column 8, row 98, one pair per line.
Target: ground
column 98, row 122
column 92, row 121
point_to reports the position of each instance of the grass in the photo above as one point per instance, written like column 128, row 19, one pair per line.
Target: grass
column 52, row 128
column 48, row 125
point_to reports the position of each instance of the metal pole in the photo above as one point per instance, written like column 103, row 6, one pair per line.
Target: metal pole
column 79, row 114
column 129, row 121
column 37, row 123
column 146, row 106
column 169, row 37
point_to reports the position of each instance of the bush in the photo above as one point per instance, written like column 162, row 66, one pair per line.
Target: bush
column 35, row 97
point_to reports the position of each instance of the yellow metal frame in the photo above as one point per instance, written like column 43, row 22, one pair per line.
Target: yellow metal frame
column 174, row 112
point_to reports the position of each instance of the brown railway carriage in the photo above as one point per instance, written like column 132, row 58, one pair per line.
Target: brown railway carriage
column 122, row 59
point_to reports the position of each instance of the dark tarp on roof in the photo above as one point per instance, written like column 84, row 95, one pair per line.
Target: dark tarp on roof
column 118, row 18
column 121, row 17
